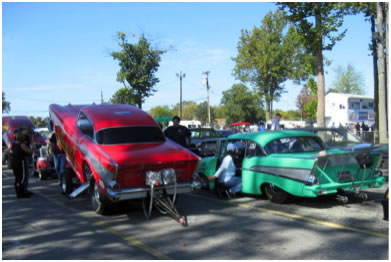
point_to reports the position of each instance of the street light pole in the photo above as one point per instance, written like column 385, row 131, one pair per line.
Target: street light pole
column 180, row 75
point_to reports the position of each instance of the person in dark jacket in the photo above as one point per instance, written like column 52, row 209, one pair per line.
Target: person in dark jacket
column 177, row 133
column 19, row 150
column 28, row 135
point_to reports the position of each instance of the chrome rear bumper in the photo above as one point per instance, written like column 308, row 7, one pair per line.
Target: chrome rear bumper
column 141, row 192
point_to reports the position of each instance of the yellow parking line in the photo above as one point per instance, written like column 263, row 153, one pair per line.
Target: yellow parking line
column 303, row 218
column 132, row 241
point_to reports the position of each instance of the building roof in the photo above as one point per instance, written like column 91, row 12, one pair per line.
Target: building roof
column 349, row 95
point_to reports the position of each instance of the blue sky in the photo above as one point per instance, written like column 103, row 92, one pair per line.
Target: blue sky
column 59, row 52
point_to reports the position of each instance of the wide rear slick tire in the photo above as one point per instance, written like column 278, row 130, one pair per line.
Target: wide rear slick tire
column 275, row 194
column 66, row 182
column 99, row 202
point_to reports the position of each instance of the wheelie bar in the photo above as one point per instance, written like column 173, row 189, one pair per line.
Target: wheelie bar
column 165, row 203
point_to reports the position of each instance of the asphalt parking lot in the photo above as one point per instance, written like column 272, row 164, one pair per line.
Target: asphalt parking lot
column 49, row 226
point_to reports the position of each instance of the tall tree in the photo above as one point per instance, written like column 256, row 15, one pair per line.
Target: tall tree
column 138, row 65
column 241, row 104
column 6, row 106
column 381, row 9
column 267, row 57
column 124, row 95
column 318, row 23
column 348, row 81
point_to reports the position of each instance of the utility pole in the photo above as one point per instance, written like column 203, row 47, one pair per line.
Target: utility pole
column 180, row 75
column 206, row 73
column 101, row 97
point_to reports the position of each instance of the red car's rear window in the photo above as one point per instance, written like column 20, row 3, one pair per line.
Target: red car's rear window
column 130, row 135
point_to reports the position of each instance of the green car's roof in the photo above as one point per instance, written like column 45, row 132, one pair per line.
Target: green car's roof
column 264, row 137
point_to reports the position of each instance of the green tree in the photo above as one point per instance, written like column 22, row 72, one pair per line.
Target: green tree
column 161, row 111
column 188, row 110
column 6, row 106
column 348, row 81
column 219, row 111
column 267, row 58
column 242, row 104
column 138, row 64
column 310, row 107
column 39, row 121
column 202, row 113
column 318, row 23
column 124, row 95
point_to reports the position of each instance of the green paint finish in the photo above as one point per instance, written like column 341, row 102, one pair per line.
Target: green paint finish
column 293, row 171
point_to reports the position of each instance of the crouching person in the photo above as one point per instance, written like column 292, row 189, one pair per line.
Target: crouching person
column 226, row 172
column 19, row 150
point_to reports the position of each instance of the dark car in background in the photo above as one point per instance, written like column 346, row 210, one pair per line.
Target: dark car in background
column 225, row 133
column 343, row 139
column 203, row 141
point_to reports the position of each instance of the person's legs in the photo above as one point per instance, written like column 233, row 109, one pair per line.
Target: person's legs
column 235, row 184
column 26, row 170
column 19, row 188
column 61, row 165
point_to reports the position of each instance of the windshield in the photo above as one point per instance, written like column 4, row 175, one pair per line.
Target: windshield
column 130, row 135
column 295, row 145
column 332, row 137
column 204, row 133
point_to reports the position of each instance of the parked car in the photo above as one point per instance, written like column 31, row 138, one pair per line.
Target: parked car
column 225, row 133
column 343, row 139
column 279, row 164
column 203, row 141
column 119, row 153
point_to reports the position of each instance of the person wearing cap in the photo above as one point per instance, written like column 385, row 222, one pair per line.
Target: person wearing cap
column 26, row 131
column 177, row 133
column 226, row 172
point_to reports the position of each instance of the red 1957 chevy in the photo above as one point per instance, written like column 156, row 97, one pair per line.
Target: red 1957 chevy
column 118, row 152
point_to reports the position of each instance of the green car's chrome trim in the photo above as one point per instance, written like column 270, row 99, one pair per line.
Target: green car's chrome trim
column 297, row 174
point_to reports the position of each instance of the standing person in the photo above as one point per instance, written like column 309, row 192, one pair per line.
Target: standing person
column 276, row 123
column 179, row 134
column 357, row 126
column 226, row 172
column 19, row 149
column 27, row 133
column 261, row 126
column 58, row 157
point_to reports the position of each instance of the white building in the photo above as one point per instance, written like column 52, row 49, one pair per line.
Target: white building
column 348, row 109
column 188, row 123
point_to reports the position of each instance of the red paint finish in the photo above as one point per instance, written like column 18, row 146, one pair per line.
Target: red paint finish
column 127, row 163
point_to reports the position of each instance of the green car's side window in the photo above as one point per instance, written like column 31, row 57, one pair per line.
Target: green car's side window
column 253, row 149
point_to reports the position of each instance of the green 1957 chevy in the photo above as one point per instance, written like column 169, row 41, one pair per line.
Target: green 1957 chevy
column 291, row 162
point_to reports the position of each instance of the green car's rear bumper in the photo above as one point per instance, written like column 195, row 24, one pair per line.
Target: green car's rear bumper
column 331, row 188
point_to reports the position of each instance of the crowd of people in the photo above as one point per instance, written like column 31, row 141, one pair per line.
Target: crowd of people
column 21, row 159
